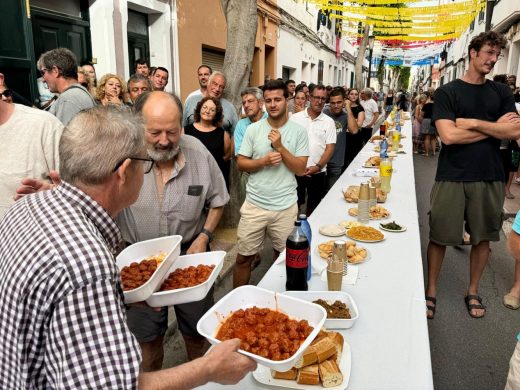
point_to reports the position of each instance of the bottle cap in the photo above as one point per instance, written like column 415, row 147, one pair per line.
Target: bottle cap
column 302, row 216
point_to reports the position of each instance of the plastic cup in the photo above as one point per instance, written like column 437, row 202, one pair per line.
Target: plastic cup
column 334, row 274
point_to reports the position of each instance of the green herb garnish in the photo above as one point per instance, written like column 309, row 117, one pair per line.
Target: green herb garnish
column 391, row 226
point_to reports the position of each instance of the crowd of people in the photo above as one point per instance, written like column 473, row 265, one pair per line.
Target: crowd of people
column 109, row 163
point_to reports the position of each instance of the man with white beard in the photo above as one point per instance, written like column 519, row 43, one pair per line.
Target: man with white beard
column 184, row 194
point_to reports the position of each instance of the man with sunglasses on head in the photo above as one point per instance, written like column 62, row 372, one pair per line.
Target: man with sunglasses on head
column 59, row 69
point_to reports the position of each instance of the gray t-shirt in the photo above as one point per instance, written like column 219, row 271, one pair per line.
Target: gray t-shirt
column 340, row 121
column 71, row 101
column 230, row 114
column 196, row 183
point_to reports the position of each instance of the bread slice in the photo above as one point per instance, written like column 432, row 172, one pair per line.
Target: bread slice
column 288, row 375
column 337, row 340
column 330, row 374
column 309, row 375
column 324, row 348
column 308, row 357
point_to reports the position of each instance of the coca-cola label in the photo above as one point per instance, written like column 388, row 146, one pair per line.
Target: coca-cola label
column 297, row 258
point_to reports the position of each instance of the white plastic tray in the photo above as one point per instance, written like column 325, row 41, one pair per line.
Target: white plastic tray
column 330, row 297
column 248, row 296
column 189, row 294
column 263, row 374
column 171, row 245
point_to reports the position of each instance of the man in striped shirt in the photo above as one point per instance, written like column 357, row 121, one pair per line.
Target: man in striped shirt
column 63, row 322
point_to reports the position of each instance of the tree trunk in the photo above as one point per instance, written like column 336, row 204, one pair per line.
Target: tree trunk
column 381, row 73
column 360, row 59
column 242, row 23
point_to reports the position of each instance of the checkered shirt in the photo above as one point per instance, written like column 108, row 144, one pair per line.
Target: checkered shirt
column 62, row 323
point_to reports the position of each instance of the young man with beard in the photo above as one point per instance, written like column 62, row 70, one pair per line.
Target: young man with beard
column 471, row 115
column 272, row 152
column 341, row 113
column 203, row 74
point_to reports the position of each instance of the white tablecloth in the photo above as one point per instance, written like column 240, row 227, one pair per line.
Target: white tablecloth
column 390, row 346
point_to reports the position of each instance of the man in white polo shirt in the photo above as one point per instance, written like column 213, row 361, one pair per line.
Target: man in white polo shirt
column 322, row 139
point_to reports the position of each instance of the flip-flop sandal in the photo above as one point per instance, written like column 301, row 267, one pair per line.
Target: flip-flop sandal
column 511, row 302
column 430, row 307
column 472, row 306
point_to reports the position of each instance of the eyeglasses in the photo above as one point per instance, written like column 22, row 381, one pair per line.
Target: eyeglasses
column 319, row 98
column 206, row 109
column 7, row 93
column 491, row 53
column 148, row 163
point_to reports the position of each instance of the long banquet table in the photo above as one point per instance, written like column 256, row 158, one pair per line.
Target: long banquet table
column 389, row 342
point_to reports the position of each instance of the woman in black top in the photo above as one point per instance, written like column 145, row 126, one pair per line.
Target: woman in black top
column 427, row 130
column 403, row 103
column 208, row 117
column 354, row 142
column 389, row 101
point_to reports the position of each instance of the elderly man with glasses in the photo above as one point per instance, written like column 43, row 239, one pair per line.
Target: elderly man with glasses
column 321, row 131
column 59, row 69
column 61, row 291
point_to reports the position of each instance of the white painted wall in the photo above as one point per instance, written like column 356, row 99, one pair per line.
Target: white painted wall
column 103, row 39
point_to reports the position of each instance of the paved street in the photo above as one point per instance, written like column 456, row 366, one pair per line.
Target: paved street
column 467, row 353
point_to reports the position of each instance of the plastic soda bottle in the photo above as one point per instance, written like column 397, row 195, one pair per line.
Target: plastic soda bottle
column 306, row 228
column 396, row 139
column 385, row 173
column 296, row 260
column 383, row 147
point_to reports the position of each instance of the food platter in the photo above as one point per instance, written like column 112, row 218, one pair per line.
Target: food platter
column 375, row 212
column 332, row 230
column 359, row 234
column 403, row 228
column 322, row 253
column 263, row 374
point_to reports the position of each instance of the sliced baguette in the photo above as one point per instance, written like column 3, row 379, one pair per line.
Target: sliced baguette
column 324, row 348
column 308, row 357
column 288, row 375
column 330, row 374
column 309, row 375
column 337, row 340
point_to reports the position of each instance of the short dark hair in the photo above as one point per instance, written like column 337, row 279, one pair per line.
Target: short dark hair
column 219, row 115
column 320, row 87
column 272, row 85
column 491, row 38
column 61, row 58
column 160, row 68
column 141, row 101
column 289, row 82
column 141, row 61
column 338, row 91
column 85, row 63
column 500, row 78
column 299, row 88
column 205, row 66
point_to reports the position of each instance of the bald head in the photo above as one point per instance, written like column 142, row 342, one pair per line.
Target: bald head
column 162, row 113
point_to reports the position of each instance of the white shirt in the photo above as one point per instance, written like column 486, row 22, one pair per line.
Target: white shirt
column 193, row 93
column 29, row 148
column 321, row 132
column 370, row 107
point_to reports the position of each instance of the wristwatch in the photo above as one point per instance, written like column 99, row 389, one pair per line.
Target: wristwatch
column 319, row 166
column 207, row 233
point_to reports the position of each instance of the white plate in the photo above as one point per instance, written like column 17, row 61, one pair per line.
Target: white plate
column 189, row 294
column 403, row 228
column 171, row 245
column 368, row 257
column 330, row 297
column 263, row 374
column 248, row 296
column 370, row 218
column 341, row 231
column 370, row 166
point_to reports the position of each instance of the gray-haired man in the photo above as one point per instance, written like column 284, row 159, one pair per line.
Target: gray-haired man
column 59, row 69
column 62, row 299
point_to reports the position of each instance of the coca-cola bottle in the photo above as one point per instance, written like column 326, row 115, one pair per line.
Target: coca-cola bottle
column 297, row 259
